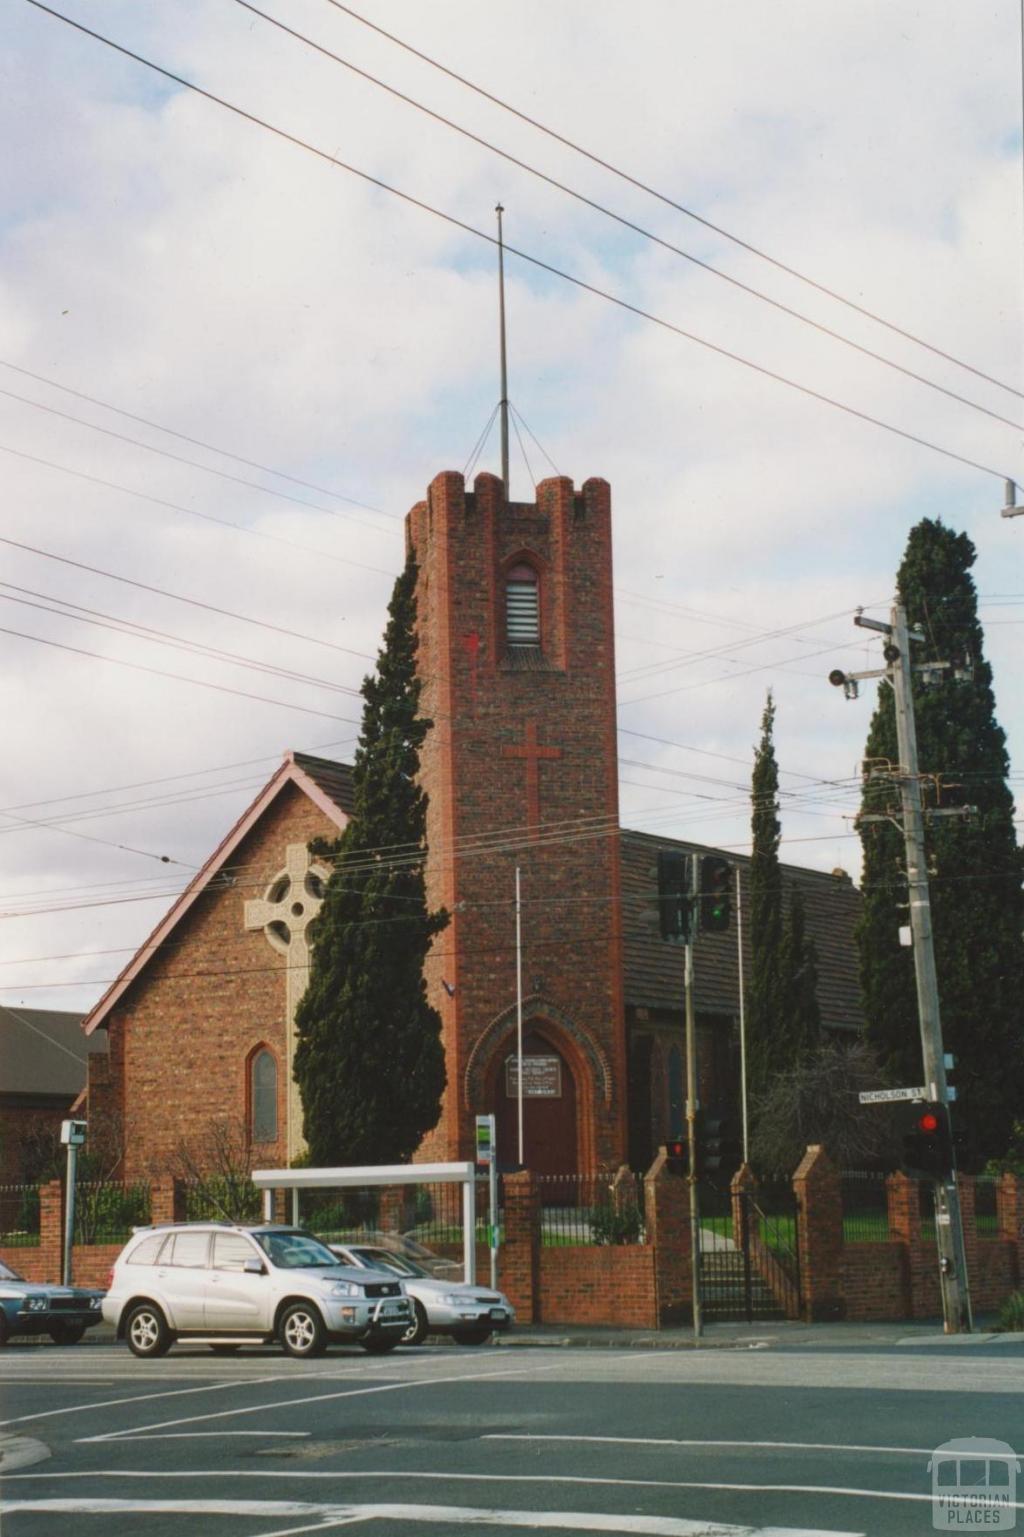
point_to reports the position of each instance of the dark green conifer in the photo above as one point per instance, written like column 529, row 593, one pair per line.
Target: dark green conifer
column 765, row 995
column 977, row 906
column 369, row 1060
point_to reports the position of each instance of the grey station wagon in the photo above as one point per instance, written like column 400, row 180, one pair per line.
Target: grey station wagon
column 225, row 1286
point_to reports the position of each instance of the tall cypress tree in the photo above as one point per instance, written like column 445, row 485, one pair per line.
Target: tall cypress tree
column 977, row 904
column 369, row 1061
column 765, row 1001
column 801, row 1014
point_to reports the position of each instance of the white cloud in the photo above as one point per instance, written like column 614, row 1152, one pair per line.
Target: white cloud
column 159, row 253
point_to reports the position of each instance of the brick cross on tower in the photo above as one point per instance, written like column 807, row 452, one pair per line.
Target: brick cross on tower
column 532, row 753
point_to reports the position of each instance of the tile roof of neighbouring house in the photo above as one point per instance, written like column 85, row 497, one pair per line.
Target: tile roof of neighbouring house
column 654, row 967
column 43, row 1051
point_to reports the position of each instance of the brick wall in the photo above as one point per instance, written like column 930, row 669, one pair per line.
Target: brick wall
column 898, row 1279
column 594, row 1284
column 182, row 1036
column 564, row 697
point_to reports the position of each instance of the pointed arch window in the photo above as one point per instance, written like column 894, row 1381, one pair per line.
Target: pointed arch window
column 522, row 606
column 263, row 1096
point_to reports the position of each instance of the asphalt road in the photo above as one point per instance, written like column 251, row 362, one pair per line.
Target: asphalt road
column 801, row 1437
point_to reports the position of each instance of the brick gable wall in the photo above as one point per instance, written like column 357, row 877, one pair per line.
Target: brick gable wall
column 181, row 1036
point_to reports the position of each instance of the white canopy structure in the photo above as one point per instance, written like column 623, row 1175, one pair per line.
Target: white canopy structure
column 464, row 1174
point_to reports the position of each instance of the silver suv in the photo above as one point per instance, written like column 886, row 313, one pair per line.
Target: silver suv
column 225, row 1286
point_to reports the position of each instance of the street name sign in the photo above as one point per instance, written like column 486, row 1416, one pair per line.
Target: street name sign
column 887, row 1096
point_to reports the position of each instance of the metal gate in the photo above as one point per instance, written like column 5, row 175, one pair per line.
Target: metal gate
column 749, row 1255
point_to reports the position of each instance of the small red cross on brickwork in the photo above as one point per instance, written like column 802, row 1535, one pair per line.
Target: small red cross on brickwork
column 532, row 753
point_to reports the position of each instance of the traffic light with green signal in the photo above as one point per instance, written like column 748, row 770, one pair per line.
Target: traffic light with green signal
column 715, row 894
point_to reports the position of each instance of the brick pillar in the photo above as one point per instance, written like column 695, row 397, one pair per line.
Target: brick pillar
column 668, row 1230
column 50, row 1258
column 1010, row 1219
column 967, row 1188
column 820, row 1222
column 166, row 1200
column 520, row 1256
column 905, row 1229
column 744, row 1182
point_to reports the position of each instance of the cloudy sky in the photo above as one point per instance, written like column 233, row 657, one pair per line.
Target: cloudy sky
column 269, row 315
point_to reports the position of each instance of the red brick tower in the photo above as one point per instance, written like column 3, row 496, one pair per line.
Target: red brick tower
column 518, row 660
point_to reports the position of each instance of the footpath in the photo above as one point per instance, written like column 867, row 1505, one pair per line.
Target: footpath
column 752, row 1336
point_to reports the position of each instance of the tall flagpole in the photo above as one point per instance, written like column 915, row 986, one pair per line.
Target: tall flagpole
column 519, row 1013
column 504, row 366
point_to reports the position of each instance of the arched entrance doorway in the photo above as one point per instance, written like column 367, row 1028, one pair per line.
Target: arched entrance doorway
column 549, row 1106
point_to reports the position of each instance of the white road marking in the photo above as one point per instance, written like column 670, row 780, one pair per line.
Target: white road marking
column 317, row 1526
column 450, row 1515
column 391, row 1475
column 134, row 1398
column 796, row 1446
column 314, row 1398
column 210, row 1435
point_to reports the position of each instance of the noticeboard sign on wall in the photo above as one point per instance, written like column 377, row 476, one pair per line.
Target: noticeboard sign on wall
column 542, row 1077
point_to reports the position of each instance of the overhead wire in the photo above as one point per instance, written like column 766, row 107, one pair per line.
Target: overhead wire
column 177, row 597
column 537, row 262
column 213, row 448
column 194, row 464
column 206, row 517
column 621, row 219
column 670, row 202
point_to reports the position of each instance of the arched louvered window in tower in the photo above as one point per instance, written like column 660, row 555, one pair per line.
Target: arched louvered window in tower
column 522, row 606
column 263, row 1097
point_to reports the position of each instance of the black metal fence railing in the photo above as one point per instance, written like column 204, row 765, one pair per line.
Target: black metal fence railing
column 865, row 1207
column 107, row 1211
column 591, row 1209
column 19, row 1216
column 424, row 1217
column 985, row 1208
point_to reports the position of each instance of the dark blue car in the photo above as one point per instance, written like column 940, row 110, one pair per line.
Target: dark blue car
column 38, row 1307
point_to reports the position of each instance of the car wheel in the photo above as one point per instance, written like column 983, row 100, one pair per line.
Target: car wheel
column 302, row 1331
column 380, row 1344
column 471, row 1336
column 224, row 1350
column 417, row 1331
column 146, row 1331
column 66, row 1334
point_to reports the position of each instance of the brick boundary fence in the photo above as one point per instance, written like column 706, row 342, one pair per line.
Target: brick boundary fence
column 650, row 1284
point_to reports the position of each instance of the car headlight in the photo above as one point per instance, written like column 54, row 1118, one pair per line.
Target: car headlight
column 95, row 1302
column 453, row 1300
column 345, row 1289
column 36, row 1304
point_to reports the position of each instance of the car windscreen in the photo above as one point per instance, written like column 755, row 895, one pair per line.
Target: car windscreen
column 7, row 1274
column 295, row 1250
column 384, row 1259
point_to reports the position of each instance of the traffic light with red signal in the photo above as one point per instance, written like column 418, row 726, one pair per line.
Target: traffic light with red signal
column 928, row 1141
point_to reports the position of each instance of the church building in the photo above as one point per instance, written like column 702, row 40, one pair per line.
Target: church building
column 517, row 656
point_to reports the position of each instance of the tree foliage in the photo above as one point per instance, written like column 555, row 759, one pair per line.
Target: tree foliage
column 815, row 1100
column 801, row 1015
column 977, row 907
column 765, row 994
column 369, row 1061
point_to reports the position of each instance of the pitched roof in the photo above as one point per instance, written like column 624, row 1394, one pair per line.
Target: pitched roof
column 43, row 1051
column 328, row 785
column 654, row 968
